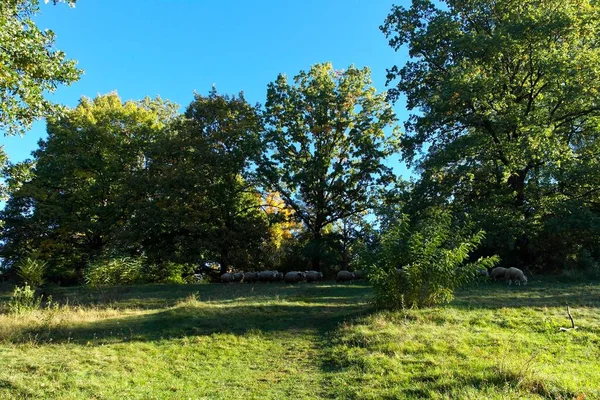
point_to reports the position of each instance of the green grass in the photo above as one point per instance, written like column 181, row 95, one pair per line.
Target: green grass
column 302, row 342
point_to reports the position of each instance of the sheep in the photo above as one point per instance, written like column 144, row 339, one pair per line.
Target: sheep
column 360, row 274
column 250, row 277
column 279, row 276
column 344, row 276
column 498, row 273
column 238, row 276
column 313, row 276
column 268, row 276
column 227, row 278
column 515, row 275
column 294, row 276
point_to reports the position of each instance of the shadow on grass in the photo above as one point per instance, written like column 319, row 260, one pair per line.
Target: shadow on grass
column 158, row 296
column 297, row 309
column 535, row 294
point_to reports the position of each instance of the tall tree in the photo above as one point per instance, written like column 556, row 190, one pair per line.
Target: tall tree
column 327, row 141
column 508, row 109
column 77, row 199
column 201, row 202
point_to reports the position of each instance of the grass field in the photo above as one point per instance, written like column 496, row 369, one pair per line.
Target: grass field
column 301, row 342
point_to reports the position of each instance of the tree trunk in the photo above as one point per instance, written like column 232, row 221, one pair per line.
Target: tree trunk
column 517, row 184
column 224, row 261
column 316, row 256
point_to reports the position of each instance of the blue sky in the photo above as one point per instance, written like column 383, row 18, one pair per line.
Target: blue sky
column 172, row 48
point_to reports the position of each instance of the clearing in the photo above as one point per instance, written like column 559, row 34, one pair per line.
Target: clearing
column 277, row 341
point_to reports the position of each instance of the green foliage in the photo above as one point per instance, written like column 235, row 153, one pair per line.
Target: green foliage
column 327, row 141
column 73, row 202
column 23, row 300
column 32, row 271
column 303, row 342
column 116, row 271
column 507, row 108
column 167, row 272
column 31, row 67
column 421, row 264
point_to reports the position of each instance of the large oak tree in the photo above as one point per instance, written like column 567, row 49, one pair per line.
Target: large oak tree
column 507, row 113
column 327, row 141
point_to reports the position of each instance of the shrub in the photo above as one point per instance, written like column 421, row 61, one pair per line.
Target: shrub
column 116, row 271
column 23, row 300
column 167, row 272
column 422, row 263
column 32, row 271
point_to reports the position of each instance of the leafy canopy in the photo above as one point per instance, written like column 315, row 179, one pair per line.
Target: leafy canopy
column 30, row 66
column 327, row 142
column 508, row 109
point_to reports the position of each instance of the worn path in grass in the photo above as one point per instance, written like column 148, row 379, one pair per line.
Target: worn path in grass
column 301, row 342
column 197, row 341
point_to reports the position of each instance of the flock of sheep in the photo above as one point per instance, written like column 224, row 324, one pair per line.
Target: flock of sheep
column 289, row 277
column 499, row 273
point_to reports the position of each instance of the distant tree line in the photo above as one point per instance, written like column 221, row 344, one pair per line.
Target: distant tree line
column 504, row 138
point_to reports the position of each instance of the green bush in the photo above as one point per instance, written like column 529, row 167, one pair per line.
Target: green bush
column 167, row 272
column 23, row 300
column 32, row 271
column 422, row 263
column 116, row 271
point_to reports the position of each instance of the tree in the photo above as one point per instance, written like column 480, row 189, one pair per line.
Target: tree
column 73, row 202
column 29, row 65
column 508, row 109
column 200, row 202
column 327, row 142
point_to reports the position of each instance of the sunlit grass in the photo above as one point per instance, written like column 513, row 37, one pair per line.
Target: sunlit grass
column 303, row 341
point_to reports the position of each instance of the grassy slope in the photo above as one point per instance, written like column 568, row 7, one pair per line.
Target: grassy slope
column 304, row 341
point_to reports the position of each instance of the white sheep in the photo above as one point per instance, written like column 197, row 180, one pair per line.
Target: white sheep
column 498, row 273
column 294, row 276
column 344, row 276
column 313, row 276
column 250, row 277
column 515, row 275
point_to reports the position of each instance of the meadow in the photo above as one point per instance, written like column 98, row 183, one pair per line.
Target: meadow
column 305, row 341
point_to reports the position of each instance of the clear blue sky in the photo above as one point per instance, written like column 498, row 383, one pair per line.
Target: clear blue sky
column 172, row 48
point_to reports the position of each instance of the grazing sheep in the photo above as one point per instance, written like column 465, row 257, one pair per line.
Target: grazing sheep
column 251, row 277
column 360, row 274
column 483, row 272
column 294, row 276
column 227, row 278
column 515, row 275
column 498, row 273
column 314, row 276
column 344, row 276
column 238, row 276
column 268, row 276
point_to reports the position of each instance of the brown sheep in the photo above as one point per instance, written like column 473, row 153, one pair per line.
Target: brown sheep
column 344, row 276
column 515, row 275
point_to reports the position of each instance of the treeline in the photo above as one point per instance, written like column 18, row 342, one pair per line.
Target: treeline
column 224, row 183
column 504, row 141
